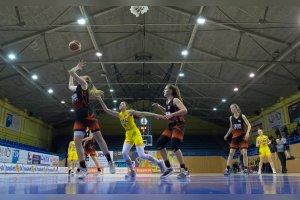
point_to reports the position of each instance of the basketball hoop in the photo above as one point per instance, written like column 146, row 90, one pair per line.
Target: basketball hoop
column 138, row 10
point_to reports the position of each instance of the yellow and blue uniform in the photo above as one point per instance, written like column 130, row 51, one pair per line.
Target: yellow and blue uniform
column 133, row 134
column 264, row 150
column 72, row 153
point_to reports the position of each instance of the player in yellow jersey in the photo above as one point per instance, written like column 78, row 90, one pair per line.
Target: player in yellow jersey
column 262, row 141
column 72, row 157
column 133, row 135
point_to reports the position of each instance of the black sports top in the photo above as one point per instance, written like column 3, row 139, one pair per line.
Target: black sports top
column 171, row 108
column 238, row 125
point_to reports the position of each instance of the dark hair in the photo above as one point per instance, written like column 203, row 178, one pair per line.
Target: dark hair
column 175, row 91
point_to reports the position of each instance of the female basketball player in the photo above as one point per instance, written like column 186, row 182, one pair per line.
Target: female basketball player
column 174, row 112
column 72, row 157
column 239, row 137
column 90, row 149
column 133, row 135
column 262, row 141
column 85, row 118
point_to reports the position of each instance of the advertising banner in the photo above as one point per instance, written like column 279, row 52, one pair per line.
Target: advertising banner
column 101, row 159
column 62, row 170
column 40, row 169
column 54, row 161
column 28, row 169
column 2, row 168
column 13, row 121
column 275, row 119
column 147, row 165
column 5, row 154
column 13, row 168
column 52, row 170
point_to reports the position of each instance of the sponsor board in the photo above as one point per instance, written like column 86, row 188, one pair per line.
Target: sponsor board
column 40, row 169
column 143, row 170
column 6, row 154
column 94, row 170
column 13, row 168
column 62, row 170
column 119, row 170
column 2, row 168
column 28, row 169
column 51, row 170
column 100, row 158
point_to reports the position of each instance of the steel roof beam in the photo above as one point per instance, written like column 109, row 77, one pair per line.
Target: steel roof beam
column 50, row 30
column 234, row 28
column 191, row 41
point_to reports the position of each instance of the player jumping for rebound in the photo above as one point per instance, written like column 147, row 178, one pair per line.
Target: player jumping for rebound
column 133, row 135
column 240, row 136
column 85, row 118
column 174, row 112
column 262, row 141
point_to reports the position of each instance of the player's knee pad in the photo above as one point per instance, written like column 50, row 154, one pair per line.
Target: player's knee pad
column 175, row 144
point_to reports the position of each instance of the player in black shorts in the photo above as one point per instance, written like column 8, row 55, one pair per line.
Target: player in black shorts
column 174, row 112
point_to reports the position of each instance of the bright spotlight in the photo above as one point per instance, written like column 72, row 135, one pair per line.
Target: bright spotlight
column 201, row 20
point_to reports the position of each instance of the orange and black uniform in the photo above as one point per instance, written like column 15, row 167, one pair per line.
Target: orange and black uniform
column 83, row 113
column 175, row 130
column 238, row 133
column 89, row 146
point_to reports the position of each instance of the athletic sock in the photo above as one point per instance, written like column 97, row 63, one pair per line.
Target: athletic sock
column 167, row 163
column 99, row 170
column 183, row 166
column 108, row 158
column 69, row 171
column 78, row 169
column 82, row 164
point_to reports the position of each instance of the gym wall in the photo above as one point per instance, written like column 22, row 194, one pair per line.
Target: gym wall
column 17, row 126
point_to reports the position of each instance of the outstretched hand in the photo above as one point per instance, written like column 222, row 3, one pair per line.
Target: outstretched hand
column 80, row 65
column 156, row 105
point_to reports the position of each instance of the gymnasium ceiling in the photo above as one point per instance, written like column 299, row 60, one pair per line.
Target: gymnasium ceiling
column 141, row 55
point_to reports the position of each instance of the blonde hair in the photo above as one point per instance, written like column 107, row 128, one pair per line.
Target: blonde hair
column 237, row 107
column 95, row 92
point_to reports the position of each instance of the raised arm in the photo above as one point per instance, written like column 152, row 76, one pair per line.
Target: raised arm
column 248, row 127
column 77, row 78
column 229, row 130
column 144, row 114
column 161, row 108
column 182, row 109
column 72, row 87
column 107, row 110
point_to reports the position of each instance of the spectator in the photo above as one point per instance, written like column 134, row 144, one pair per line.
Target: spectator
column 280, row 153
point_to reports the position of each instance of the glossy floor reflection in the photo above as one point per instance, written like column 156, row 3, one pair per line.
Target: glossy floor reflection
column 150, row 184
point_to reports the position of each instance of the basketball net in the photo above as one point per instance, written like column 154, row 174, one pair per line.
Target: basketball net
column 138, row 10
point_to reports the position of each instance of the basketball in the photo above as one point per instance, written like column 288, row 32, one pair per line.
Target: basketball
column 74, row 46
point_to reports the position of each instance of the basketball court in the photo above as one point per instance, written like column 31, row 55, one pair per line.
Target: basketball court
column 149, row 99
column 151, row 185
